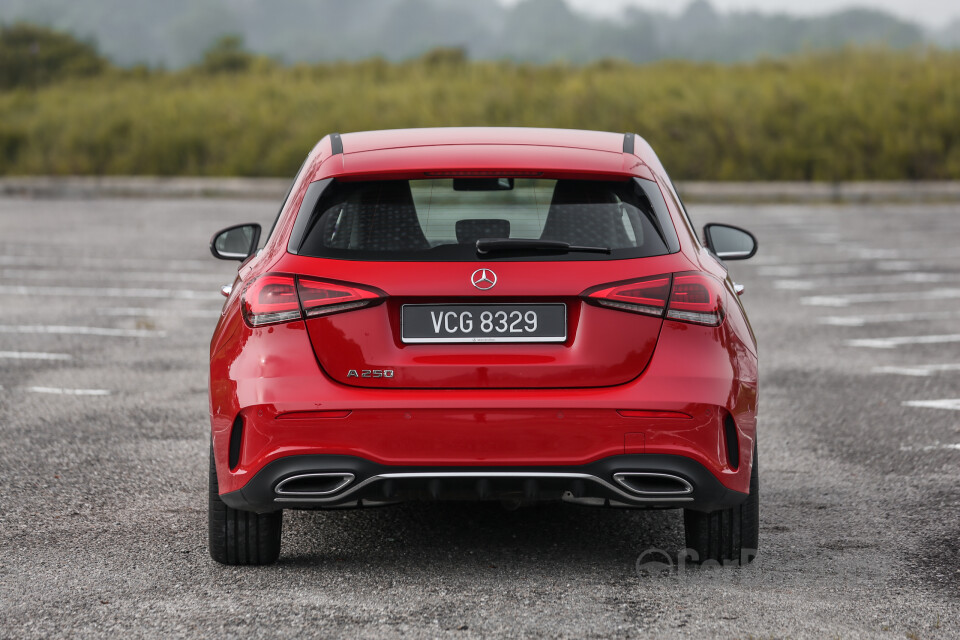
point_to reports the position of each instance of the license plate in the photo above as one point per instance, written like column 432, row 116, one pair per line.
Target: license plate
column 422, row 323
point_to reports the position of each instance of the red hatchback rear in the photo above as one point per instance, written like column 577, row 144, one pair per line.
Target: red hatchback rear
column 518, row 315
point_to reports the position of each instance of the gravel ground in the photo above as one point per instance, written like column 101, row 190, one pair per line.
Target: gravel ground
column 106, row 309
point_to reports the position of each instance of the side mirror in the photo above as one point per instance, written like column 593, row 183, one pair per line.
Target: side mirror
column 235, row 243
column 728, row 242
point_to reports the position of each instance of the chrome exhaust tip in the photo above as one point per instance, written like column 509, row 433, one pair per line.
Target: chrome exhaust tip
column 659, row 485
column 312, row 485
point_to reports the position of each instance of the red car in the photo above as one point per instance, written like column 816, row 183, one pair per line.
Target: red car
column 518, row 315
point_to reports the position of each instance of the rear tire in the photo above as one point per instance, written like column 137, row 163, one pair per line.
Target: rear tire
column 729, row 536
column 241, row 537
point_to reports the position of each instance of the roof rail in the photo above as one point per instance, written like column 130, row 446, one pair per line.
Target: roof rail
column 628, row 142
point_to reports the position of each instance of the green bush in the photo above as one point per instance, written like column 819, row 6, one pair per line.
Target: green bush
column 849, row 115
column 32, row 56
column 227, row 55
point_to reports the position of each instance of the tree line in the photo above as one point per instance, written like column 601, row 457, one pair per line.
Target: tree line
column 852, row 114
column 175, row 33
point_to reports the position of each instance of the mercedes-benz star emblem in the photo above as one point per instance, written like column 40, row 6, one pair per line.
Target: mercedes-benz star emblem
column 483, row 279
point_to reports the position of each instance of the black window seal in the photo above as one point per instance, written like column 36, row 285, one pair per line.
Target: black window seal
column 307, row 214
column 683, row 209
column 661, row 216
column 283, row 204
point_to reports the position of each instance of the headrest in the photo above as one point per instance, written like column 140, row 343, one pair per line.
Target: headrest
column 582, row 192
column 471, row 230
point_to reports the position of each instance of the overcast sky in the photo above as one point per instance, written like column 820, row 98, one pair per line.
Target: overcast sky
column 934, row 13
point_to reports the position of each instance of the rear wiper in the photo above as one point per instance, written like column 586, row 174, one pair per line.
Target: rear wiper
column 494, row 245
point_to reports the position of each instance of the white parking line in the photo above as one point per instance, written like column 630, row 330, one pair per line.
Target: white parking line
column 792, row 270
column 82, row 331
column 794, row 285
column 109, row 292
column 68, row 392
column 841, row 268
column 896, row 265
column 899, row 341
column 897, row 296
column 919, row 370
column 766, row 259
column 915, row 277
column 825, row 237
column 34, row 355
column 149, row 311
column 107, row 263
column 882, row 318
column 782, row 270
column 870, row 253
column 933, row 447
column 952, row 404
column 112, row 275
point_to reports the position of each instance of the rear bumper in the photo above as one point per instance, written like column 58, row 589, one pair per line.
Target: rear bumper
column 269, row 383
column 334, row 481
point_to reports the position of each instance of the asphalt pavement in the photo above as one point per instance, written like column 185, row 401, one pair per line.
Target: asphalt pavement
column 106, row 311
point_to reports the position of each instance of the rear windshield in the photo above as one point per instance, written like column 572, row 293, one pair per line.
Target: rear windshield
column 442, row 220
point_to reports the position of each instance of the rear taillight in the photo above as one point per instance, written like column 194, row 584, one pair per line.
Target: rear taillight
column 696, row 298
column 273, row 299
column 687, row 297
column 269, row 300
column 647, row 296
column 322, row 297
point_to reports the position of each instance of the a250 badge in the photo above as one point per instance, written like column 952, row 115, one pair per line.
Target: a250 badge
column 370, row 373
